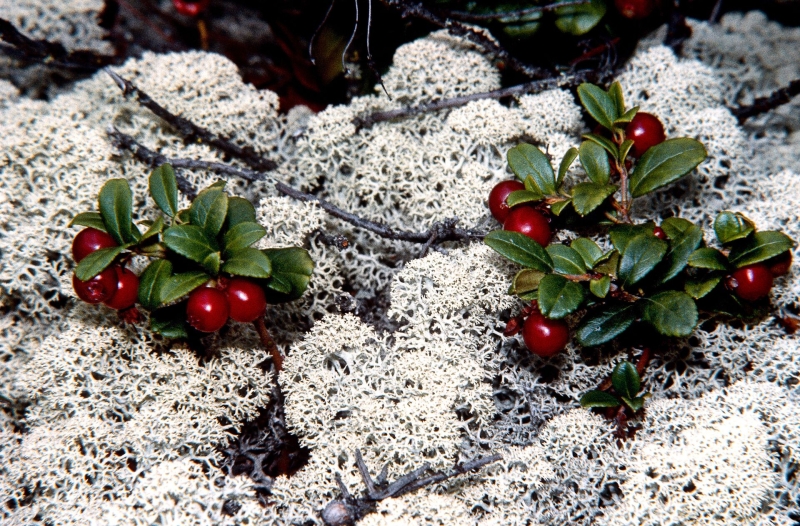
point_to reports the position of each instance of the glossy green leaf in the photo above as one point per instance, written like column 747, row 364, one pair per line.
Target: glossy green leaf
column 615, row 92
column 586, row 197
column 97, row 262
column 598, row 104
column 292, row 265
column 164, row 189
column 588, row 250
column 609, row 264
column 242, row 236
column 155, row 228
column 179, row 285
column 605, row 323
column 518, row 197
column 759, row 247
column 600, row 287
column 578, row 19
column 566, row 260
column 599, row 399
column 621, row 235
column 520, row 249
column 526, row 280
column 609, row 146
column 730, row 226
column 152, row 281
column 208, row 211
column 559, row 296
column 182, row 217
column 684, row 238
column 627, row 116
column 115, row 207
column 594, row 159
column 279, row 284
column 169, row 323
column 249, row 262
column 636, row 404
column 526, row 160
column 625, row 148
column 640, row 256
column 192, row 242
column 240, row 210
column 665, row 163
column 626, row 380
column 671, row 313
column 559, row 206
column 90, row 219
column 709, row 258
column 566, row 162
column 701, row 287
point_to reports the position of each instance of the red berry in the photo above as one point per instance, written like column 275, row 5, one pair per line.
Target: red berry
column 246, row 300
column 751, row 283
column 207, row 309
column 498, row 195
column 635, row 9
column 780, row 264
column 98, row 289
column 659, row 233
column 645, row 130
column 190, row 8
column 528, row 221
column 127, row 289
column 89, row 240
column 545, row 337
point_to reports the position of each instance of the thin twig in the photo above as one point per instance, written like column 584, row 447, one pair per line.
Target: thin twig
column 192, row 132
column 535, row 86
column 768, row 103
column 514, row 15
column 269, row 343
column 444, row 230
column 714, row 17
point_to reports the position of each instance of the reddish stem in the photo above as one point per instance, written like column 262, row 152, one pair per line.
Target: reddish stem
column 269, row 344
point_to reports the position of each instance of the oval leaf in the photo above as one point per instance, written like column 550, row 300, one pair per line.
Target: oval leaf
column 701, row 287
column 526, row 280
column 684, row 238
column 115, row 207
column 621, row 235
column 90, row 219
column 641, row 255
column 594, row 160
column 665, row 163
column 579, row 19
column 526, row 160
column 520, row 249
column 559, row 206
column 615, row 92
column 730, row 226
column 600, row 287
column 599, row 399
column 242, row 236
column 566, row 260
column 609, row 146
column 671, row 313
column 164, row 189
column 558, row 296
column 626, row 380
column 566, row 162
column 190, row 241
column 208, row 211
column 248, row 262
column 588, row 250
column 586, row 197
column 97, row 262
column 522, row 196
column 291, row 265
column 605, row 324
column 598, row 104
column 709, row 258
column 759, row 247
column 240, row 210
column 179, row 285
column 154, row 229
column 151, row 281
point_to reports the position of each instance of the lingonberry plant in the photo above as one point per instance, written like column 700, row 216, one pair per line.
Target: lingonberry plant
column 203, row 269
column 661, row 276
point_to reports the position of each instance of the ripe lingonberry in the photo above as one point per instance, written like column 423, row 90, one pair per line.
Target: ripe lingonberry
column 207, row 309
column 89, row 240
column 645, row 130
column 780, row 264
column 246, row 299
column 98, row 289
column 189, row 7
column 545, row 337
column 659, row 233
column 498, row 196
column 127, row 289
column 752, row 282
column 528, row 221
column 635, row 9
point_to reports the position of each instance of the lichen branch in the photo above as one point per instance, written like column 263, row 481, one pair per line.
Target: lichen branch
column 764, row 104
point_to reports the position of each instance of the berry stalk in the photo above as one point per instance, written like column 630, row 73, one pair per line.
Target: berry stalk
column 269, row 343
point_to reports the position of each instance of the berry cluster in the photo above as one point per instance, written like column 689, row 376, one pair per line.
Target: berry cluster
column 203, row 269
column 656, row 276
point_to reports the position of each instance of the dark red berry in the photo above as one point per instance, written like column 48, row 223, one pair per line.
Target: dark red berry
column 635, row 9
column 645, row 130
column 528, row 221
column 89, row 240
column 780, row 264
column 207, row 309
column 98, row 289
column 246, row 299
column 127, row 289
column 545, row 337
column 659, row 233
column 190, row 8
column 498, row 195
column 751, row 283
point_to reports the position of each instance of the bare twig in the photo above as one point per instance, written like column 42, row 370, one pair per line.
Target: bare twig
column 443, row 230
column 768, row 103
column 269, row 343
column 678, row 31
column 535, row 86
column 192, row 132
column 514, row 16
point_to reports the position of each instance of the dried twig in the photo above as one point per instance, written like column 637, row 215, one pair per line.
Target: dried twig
column 768, row 103
column 535, row 86
column 348, row 509
column 442, row 230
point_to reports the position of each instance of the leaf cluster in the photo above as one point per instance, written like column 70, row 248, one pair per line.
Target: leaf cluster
column 626, row 383
column 519, row 20
column 190, row 247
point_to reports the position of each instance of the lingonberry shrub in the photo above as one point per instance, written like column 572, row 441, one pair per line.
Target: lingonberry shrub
column 658, row 276
column 195, row 254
